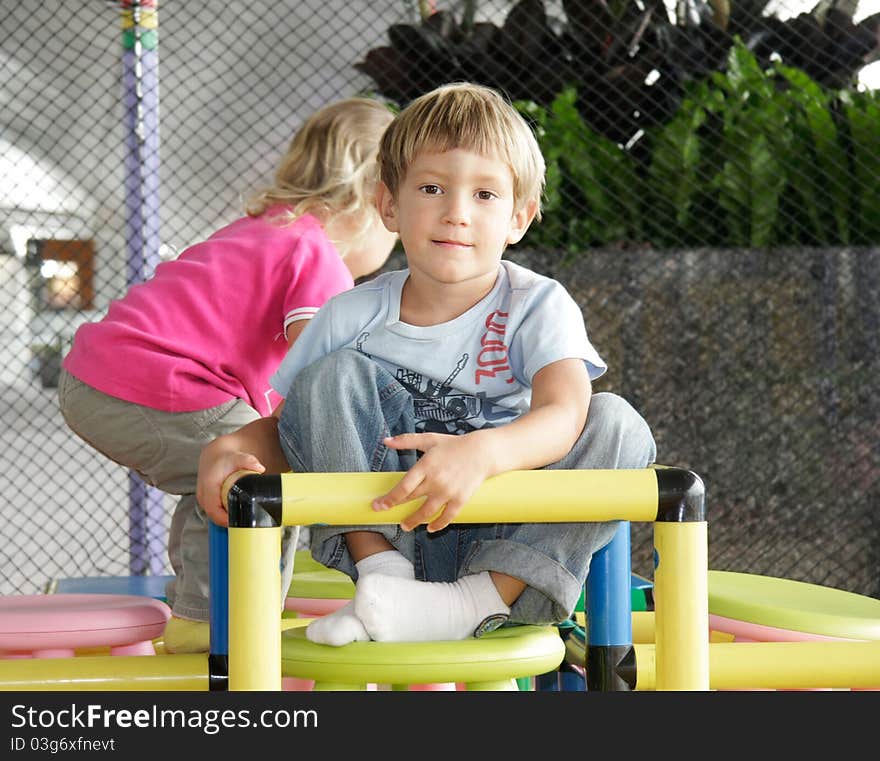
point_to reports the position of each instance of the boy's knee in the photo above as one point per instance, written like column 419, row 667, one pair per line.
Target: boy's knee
column 613, row 411
column 331, row 376
column 334, row 366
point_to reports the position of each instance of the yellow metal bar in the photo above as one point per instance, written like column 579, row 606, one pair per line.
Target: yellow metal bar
column 642, row 624
column 779, row 665
column 254, row 609
column 547, row 496
column 106, row 672
column 681, row 601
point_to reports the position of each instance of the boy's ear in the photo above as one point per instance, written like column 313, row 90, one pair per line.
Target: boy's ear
column 521, row 220
column 387, row 207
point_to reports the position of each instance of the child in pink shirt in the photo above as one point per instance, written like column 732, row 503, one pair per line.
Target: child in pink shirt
column 186, row 356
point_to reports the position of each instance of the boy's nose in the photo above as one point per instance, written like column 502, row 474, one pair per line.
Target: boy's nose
column 456, row 211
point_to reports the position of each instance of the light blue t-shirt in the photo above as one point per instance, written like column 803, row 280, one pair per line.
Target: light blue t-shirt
column 472, row 372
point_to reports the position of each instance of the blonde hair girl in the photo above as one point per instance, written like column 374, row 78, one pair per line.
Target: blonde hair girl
column 330, row 167
column 186, row 356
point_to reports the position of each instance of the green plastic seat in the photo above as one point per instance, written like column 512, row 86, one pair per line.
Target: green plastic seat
column 315, row 590
column 793, row 606
column 313, row 580
column 492, row 662
column 303, row 561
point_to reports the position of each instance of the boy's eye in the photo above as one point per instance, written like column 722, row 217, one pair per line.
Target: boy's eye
column 485, row 195
column 431, row 190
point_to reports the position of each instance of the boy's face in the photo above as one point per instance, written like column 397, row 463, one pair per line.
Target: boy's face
column 455, row 215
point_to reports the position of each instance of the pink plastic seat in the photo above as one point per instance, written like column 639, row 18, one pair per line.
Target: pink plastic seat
column 54, row 626
column 312, row 607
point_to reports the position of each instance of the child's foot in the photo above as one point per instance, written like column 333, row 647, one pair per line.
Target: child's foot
column 343, row 626
column 403, row 610
column 337, row 628
column 185, row 636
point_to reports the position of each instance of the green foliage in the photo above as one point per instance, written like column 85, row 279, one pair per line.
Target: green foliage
column 862, row 113
column 592, row 188
column 752, row 157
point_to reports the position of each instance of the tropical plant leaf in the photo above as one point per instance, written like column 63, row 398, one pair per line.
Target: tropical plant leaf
column 675, row 162
column 831, row 157
column 863, row 116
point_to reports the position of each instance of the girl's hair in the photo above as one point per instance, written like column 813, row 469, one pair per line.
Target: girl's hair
column 468, row 116
column 330, row 166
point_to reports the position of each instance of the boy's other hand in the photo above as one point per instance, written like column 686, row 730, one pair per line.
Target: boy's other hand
column 214, row 468
column 448, row 473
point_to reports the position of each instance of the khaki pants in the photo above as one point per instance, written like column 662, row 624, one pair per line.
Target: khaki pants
column 164, row 448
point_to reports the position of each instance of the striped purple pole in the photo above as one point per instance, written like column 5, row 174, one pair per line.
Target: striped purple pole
column 140, row 84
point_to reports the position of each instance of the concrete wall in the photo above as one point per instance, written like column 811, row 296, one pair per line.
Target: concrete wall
column 758, row 370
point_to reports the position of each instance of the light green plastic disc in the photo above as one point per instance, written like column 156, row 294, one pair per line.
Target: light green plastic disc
column 793, row 605
column 506, row 653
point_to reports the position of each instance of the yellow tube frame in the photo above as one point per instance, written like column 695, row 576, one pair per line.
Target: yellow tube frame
column 254, row 628
column 106, row 672
column 681, row 594
column 778, row 665
column 548, row 496
column 681, row 605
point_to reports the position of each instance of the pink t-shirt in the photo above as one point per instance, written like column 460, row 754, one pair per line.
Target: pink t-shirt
column 210, row 325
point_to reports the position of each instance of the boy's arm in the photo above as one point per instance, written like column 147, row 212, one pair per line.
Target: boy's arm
column 252, row 447
column 293, row 331
column 546, row 433
column 453, row 467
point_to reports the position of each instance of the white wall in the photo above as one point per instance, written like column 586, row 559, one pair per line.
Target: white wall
column 233, row 89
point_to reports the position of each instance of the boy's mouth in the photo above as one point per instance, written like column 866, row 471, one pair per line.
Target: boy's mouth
column 452, row 244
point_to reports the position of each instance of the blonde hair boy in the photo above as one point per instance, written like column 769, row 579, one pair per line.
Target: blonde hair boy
column 470, row 117
column 458, row 368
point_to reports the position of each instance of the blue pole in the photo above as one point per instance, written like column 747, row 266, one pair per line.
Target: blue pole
column 218, row 606
column 218, row 601
column 609, row 596
column 608, row 607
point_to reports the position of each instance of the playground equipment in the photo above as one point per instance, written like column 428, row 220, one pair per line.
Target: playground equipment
column 149, row 586
column 755, row 608
column 316, row 590
column 246, row 640
column 492, row 662
column 246, row 651
column 40, row 635
column 784, row 634
column 513, row 659
column 41, row 626
column 778, row 665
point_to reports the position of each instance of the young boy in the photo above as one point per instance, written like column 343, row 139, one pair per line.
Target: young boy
column 460, row 367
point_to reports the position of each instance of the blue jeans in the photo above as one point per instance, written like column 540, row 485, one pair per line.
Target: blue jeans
column 335, row 416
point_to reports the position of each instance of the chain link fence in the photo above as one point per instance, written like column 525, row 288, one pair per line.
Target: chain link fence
column 712, row 202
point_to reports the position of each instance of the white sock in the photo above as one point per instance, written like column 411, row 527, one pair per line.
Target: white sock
column 388, row 563
column 343, row 626
column 403, row 610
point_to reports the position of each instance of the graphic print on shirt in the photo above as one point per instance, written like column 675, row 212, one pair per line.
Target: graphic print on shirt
column 360, row 343
column 441, row 408
column 492, row 359
column 459, row 383
column 438, row 408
